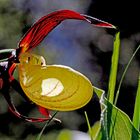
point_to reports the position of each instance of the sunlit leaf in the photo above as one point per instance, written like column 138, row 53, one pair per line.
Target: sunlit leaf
column 114, row 69
column 115, row 124
column 54, row 87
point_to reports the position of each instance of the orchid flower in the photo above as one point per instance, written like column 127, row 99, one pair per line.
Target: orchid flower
column 53, row 87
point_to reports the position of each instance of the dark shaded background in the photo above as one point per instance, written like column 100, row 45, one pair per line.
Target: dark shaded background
column 76, row 44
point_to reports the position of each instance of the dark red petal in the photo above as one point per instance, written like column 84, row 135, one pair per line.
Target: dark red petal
column 11, row 70
column 98, row 22
column 44, row 111
column 47, row 23
column 28, row 119
column 16, row 113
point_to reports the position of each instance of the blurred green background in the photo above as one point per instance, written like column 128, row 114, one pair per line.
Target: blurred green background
column 73, row 43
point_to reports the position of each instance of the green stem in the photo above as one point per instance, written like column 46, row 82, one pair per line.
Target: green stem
column 89, row 127
column 122, row 78
column 40, row 134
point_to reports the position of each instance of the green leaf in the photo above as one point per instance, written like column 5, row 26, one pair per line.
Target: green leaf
column 96, row 129
column 136, row 117
column 114, row 68
column 115, row 124
column 98, row 91
column 119, row 124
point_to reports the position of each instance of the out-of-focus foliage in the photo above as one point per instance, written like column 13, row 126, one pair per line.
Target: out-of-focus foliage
column 10, row 24
column 64, row 134
column 72, row 135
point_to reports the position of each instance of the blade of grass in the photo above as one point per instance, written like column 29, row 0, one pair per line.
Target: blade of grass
column 136, row 116
column 89, row 127
column 114, row 68
column 40, row 134
column 126, row 68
